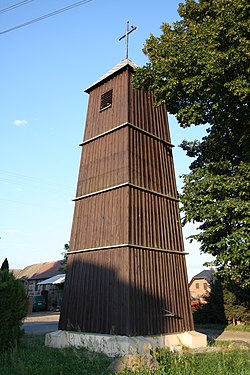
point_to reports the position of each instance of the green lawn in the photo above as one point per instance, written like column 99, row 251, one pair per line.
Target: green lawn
column 32, row 358
column 230, row 327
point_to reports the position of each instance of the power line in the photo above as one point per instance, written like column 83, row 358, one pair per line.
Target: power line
column 14, row 6
column 58, row 11
column 32, row 181
column 33, row 205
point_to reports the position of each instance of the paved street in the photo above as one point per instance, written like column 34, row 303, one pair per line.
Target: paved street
column 40, row 328
column 44, row 322
column 41, row 322
column 226, row 335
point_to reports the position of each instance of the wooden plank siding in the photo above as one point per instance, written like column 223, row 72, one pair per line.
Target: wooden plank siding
column 126, row 266
column 99, row 122
column 117, row 294
column 101, row 220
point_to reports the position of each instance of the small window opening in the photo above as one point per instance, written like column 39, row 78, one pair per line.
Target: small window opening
column 106, row 100
column 197, row 285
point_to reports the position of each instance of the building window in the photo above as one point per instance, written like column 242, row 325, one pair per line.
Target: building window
column 205, row 286
column 106, row 100
column 197, row 285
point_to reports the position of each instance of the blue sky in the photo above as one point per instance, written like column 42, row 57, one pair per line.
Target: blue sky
column 45, row 68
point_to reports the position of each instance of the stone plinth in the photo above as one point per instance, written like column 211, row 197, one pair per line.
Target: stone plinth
column 113, row 345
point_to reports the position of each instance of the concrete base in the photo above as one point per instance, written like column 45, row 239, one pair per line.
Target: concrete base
column 112, row 345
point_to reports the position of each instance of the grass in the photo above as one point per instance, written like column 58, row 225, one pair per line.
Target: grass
column 221, row 363
column 32, row 358
column 245, row 328
column 230, row 327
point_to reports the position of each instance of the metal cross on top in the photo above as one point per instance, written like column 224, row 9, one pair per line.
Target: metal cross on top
column 128, row 31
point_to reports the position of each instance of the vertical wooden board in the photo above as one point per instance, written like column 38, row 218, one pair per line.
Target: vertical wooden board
column 104, row 163
column 113, row 116
column 146, row 116
column 150, row 163
column 99, row 220
column 151, row 297
column 96, row 312
column 160, row 227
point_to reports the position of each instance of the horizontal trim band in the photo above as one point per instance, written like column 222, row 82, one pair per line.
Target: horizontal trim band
column 100, row 191
column 123, row 185
column 153, row 192
column 122, row 126
column 126, row 245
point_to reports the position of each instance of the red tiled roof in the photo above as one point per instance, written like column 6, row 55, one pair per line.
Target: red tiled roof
column 40, row 271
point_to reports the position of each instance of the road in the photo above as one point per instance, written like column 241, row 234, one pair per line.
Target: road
column 44, row 322
column 226, row 335
column 40, row 328
column 41, row 322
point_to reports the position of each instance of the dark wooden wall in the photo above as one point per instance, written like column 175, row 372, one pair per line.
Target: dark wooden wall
column 126, row 266
column 127, row 291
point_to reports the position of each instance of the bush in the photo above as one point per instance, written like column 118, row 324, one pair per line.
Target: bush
column 213, row 311
column 13, row 309
column 227, row 303
column 237, row 304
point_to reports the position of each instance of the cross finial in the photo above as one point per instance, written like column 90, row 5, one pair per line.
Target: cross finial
column 128, row 31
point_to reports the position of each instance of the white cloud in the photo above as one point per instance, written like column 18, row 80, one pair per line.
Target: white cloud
column 19, row 189
column 20, row 123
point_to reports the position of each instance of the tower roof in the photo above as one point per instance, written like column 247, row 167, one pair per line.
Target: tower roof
column 121, row 65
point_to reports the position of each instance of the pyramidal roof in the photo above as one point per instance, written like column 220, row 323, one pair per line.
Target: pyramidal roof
column 111, row 72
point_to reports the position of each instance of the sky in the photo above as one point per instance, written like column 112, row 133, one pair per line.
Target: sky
column 45, row 67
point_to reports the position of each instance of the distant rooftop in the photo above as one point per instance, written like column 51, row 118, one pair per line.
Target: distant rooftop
column 122, row 64
column 39, row 271
column 205, row 274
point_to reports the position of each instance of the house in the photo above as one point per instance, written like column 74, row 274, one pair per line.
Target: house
column 33, row 275
column 200, row 285
column 55, row 284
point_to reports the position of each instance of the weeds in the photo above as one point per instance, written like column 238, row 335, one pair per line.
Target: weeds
column 33, row 358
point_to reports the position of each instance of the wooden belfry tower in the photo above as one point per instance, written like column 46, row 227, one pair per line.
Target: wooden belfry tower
column 126, row 265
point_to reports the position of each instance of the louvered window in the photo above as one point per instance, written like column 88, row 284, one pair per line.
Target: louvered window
column 106, row 100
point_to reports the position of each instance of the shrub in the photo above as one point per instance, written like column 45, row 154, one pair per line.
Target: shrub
column 237, row 304
column 213, row 310
column 227, row 303
column 13, row 309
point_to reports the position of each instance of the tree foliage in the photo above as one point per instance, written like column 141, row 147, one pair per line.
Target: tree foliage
column 236, row 303
column 13, row 309
column 227, row 303
column 63, row 267
column 213, row 310
column 199, row 67
column 5, row 265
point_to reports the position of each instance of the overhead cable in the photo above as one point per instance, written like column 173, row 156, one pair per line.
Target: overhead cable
column 58, row 11
column 14, row 6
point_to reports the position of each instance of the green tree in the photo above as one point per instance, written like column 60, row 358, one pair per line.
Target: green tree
column 236, row 303
column 5, row 265
column 13, row 309
column 199, row 67
column 63, row 267
column 227, row 303
column 213, row 310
